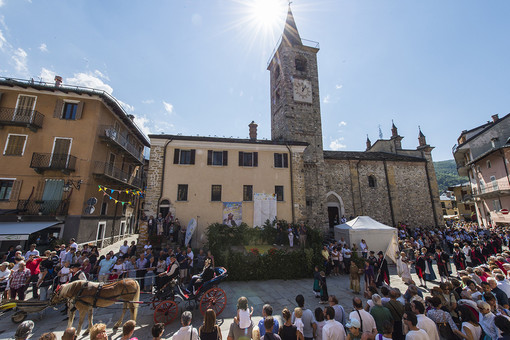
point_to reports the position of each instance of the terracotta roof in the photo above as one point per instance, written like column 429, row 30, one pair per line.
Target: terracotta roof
column 371, row 156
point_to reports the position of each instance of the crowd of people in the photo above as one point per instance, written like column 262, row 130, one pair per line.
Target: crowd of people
column 20, row 270
column 467, row 269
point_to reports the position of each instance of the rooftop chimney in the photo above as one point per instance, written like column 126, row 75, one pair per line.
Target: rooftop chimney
column 131, row 117
column 253, row 130
column 369, row 143
column 495, row 118
column 58, row 81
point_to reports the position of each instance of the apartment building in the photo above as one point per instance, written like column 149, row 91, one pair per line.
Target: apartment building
column 482, row 154
column 71, row 164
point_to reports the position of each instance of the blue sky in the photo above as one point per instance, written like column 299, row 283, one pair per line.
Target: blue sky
column 199, row 66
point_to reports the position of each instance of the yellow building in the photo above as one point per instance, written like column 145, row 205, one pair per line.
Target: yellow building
column 202, row 175
column 465, row 201
column 60, row 144
column 449, row 205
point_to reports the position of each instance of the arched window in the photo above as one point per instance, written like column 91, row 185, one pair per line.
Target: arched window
column 372, row 182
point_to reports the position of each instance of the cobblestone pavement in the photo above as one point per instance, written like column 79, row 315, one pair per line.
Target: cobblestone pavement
column 278, row 293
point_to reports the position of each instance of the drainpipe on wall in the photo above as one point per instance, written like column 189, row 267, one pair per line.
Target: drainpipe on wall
column 389, row 194
column 163, row 175
column 291, row 184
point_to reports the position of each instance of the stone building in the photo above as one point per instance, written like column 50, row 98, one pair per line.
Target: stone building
column 386, row 182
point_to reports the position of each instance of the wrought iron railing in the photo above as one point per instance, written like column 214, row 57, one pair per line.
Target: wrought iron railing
column 113, row 134
column 109, row 170
column 19, row 116
column 43, row 207
column 53, row 161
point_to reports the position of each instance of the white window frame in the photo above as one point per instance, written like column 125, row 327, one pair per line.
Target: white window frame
column 122, row 228
column 64, row 105
column 8, row 179
column 97, row 232
column 16, row 134
column 68, row 151
column 17, row 103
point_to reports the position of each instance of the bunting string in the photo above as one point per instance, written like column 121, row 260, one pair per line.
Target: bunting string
column 108, row 192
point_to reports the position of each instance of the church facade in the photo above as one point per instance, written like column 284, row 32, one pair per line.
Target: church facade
column 316, row 186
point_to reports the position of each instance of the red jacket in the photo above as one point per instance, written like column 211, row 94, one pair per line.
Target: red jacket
column 34, row 266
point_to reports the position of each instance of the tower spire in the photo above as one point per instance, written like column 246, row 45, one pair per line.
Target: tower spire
column 290, row 32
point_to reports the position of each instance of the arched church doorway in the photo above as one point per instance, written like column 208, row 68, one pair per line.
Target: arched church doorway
column 335, row 208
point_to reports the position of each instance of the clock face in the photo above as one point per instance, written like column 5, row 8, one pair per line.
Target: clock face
column 302, row 90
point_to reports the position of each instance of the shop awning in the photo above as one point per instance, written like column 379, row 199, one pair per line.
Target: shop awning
column 19, row 231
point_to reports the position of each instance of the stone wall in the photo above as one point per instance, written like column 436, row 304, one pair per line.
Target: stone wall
column 154, row 177
column 408, row 195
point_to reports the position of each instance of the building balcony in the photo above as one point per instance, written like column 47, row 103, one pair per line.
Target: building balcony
column 493, row 190
column 49, row 161
column 109, row 133
column 118, row 176
column 43, row 207
column 21, row 117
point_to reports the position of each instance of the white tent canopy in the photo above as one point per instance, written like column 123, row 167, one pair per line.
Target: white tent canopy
column 379, row 237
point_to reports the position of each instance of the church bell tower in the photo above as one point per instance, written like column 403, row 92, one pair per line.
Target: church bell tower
column 296, row 114
column 295, row 101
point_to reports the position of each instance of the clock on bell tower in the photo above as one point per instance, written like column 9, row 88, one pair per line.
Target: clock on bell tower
column 295, row 103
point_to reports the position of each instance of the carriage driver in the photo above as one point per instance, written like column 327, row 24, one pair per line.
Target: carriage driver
column 76, row 273
column 171, row 272
column 207, row 274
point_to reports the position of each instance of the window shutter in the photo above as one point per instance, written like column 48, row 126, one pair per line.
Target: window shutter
column 225, row 158
column 209, row 157
column 192, row 158
column 241, row 155
column 285, row 160
column 1, row 97
column 275, row 159
column 255, row 159
column 79, row 110
column 16, row 186
column 176, row 156
column 58, row 109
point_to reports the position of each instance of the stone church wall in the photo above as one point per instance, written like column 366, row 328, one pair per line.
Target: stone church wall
column 411, row 194
column 409, row 191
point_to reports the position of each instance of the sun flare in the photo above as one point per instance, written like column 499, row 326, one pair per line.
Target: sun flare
column 267, row 13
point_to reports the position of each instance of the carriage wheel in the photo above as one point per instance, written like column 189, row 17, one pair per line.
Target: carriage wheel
column 18, row 317
column 166, row 312
column 155, row 302
column 215, row 299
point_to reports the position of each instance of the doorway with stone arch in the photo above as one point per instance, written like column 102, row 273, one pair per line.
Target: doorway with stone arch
column 336, row 208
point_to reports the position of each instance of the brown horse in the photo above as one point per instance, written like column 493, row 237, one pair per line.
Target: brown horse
column 85, row 296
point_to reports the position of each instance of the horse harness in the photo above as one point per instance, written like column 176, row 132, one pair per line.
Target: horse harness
column 96, row 295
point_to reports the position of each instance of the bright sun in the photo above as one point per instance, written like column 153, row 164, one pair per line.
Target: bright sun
column 267, row 13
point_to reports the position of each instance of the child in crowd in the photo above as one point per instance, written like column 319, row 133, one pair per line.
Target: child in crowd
column 113, row 276
column 243, row 318
column 298, row 322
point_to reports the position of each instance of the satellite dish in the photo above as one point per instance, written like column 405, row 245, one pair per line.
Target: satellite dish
column 92, row 201
column 90, row 210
